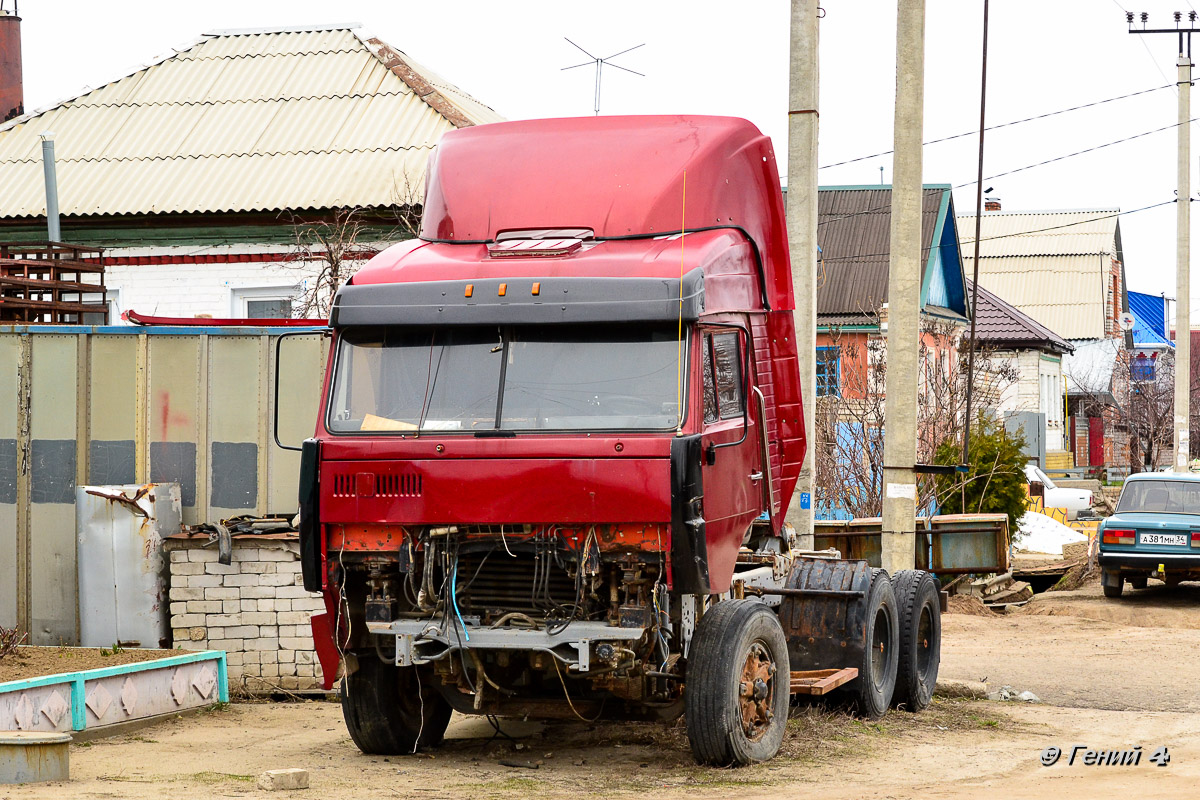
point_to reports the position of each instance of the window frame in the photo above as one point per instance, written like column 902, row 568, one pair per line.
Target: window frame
column 822, row 365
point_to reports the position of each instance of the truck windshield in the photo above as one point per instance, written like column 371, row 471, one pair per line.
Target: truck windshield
column 595, row 377
column 1165, row 496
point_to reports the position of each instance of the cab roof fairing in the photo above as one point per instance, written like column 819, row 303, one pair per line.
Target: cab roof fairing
column 620, row 176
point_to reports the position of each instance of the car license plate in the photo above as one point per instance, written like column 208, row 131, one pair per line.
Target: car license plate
column 1176, row 539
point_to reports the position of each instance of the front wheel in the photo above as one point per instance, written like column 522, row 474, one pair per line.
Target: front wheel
column 392, row 710
column 738, row 685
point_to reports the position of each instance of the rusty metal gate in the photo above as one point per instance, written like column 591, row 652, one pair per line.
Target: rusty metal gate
column 86, row 405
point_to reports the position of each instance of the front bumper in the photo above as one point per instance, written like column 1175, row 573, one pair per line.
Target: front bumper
column 419, row 641
column 1149, row 561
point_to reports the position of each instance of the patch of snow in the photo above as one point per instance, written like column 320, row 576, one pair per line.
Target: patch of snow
column 1041, row 534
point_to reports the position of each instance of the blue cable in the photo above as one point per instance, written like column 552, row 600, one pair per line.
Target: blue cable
column 454, row 599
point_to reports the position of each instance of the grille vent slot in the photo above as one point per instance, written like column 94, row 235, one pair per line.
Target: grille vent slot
column 406, row 485
column 345, row 484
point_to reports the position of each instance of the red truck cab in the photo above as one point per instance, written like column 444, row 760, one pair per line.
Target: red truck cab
column 555, row 427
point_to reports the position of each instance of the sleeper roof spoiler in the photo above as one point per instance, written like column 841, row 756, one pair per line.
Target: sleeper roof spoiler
column 521, row 301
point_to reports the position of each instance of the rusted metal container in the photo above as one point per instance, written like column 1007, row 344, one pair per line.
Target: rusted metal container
column 34, row 756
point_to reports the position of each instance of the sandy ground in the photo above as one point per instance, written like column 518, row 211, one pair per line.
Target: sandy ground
column 30, row 662
column 1112, row 676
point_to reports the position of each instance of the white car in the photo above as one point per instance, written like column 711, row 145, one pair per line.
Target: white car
column 1073, row 500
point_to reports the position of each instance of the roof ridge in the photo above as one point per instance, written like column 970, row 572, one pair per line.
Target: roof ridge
column 342, row 26
column 231, row 101
column 310, row 151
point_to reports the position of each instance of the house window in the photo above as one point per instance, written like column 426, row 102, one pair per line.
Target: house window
column 263, row 302
column 1142, row 368
column 278, row 308
column 829, row 371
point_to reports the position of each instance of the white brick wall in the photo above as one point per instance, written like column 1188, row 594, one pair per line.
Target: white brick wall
column 188, row 290
column 255, row 609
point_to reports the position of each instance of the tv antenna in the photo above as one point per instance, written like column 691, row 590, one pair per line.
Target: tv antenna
column 599, row 64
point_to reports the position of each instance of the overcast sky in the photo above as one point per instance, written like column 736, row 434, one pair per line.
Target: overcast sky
column 731, row 58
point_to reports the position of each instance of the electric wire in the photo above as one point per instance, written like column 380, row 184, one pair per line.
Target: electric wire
column 1003, row 125
column 887, row 206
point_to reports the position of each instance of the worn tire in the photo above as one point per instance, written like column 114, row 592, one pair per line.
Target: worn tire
column 1112, row 583
column 876, row 683
column 382, row 705
column 920, row 651
column 733, row 638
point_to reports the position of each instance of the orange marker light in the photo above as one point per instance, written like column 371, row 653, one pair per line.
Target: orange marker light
column 470, row 290
column 537, row 288
column 503, row 289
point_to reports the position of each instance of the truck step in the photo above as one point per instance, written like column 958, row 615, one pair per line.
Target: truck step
column 821, row 681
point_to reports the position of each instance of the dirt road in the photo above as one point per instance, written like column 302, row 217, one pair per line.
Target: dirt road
column 1097, row 676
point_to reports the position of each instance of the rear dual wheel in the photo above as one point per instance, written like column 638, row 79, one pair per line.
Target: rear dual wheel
column 871, row 693
column 920, row 638
column 738, row 685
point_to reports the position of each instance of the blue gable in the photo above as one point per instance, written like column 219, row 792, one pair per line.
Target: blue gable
column 944, row 284
column 1150, row 310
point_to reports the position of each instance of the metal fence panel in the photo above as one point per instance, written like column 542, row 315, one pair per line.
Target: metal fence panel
column 121, row 405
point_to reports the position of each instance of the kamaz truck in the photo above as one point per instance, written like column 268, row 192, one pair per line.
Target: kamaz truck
column 559, row 435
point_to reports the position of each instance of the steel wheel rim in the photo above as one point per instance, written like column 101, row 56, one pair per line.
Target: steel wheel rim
column 880, row 641
column 756, row 691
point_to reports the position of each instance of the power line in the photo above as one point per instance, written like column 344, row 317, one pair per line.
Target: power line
column 1079, row 152
column 1003, row 125
column 1020, row 169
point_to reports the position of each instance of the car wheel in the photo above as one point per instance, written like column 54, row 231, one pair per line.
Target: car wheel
column 1112, row 582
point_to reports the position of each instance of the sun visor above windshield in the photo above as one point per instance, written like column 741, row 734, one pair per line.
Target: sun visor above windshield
column 521, row 301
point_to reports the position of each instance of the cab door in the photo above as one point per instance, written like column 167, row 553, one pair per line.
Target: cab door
column 732, row 476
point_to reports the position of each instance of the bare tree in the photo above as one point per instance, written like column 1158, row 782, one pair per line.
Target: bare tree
column 849, row 423
column 329, row 248
column 1135, row 399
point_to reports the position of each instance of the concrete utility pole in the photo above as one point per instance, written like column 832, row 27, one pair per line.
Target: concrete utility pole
column 904, row 295
column 1183, row 268
column 1183, row 222
column 802, row 239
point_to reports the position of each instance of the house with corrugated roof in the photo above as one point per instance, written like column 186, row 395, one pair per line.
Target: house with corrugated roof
column 853, row 230
column 853, row 225
column 197, row 171
column 1066, row 270
column 1033, row 353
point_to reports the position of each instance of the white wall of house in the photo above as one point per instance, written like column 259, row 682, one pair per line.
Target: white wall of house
column 1039, row 389
column 182, row 289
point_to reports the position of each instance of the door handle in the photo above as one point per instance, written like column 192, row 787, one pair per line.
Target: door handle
column 756, row 476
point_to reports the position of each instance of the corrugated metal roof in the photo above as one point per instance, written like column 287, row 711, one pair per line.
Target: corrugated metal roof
column 1035, row 233
column 1151, row 309
column 255, row 121
column 1001, row 324
column 1052, row 265
column 853, row 231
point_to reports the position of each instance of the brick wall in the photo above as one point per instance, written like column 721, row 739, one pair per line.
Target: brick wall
column 255, row 609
